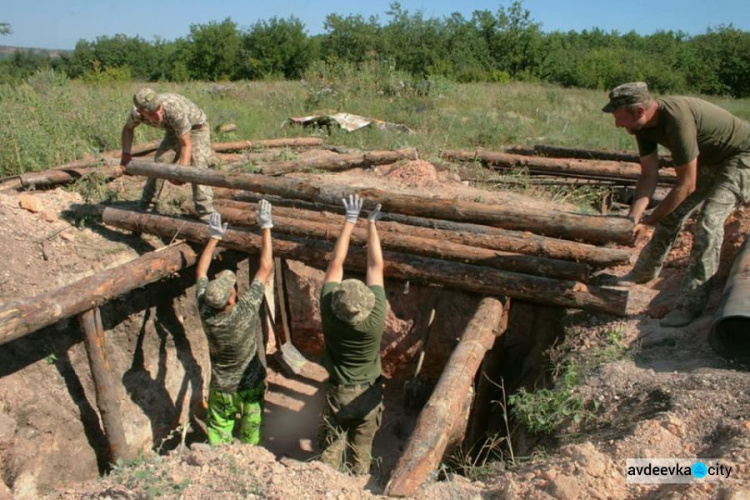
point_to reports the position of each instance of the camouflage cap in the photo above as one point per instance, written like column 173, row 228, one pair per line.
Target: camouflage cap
column 352, row 301
column 627, row 94
column 147, row 99
column 219, row 289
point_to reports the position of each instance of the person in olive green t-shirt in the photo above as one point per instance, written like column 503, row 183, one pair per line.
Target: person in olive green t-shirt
column 710, row 150
column 353, row 318
column 237, row 384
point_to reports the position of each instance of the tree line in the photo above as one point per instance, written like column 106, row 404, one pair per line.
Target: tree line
column 488, row 46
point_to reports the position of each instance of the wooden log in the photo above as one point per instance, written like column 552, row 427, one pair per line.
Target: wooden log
column 591, row 169
column 339, row 162
column 305, row 224
column 443, row 417
column 96, row 160
column 468, row 277
column 262, row 156
column 592, row 154
column 106, row 393
column 466, row 234
column 291, row 142
column 590, row 228
column 55, row 177
column 20, row 317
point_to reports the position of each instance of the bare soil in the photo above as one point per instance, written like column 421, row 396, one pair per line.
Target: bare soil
column 671, row 396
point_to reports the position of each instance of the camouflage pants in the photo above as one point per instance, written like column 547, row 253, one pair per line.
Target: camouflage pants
column 200, row 140
column 351, row 418
column 721, row 189
column 222, row 408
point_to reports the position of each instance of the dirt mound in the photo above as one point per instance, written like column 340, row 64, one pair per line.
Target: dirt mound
column 415, row 173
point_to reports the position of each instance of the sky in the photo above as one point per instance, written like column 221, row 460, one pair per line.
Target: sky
column 59, row 24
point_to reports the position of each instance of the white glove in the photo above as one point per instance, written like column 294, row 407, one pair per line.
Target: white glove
column 215, row 227
column 376, row 214
column 264, row 214
column 353, row 206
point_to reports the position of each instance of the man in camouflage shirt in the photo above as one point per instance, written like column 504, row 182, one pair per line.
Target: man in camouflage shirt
column 237, row 375
column 711, row 154
column 187, row 136
column 353, row 318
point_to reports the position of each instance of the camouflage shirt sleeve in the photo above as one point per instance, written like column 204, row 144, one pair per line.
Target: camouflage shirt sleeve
column 134, row 118
column 200, row 289
column 253, row 298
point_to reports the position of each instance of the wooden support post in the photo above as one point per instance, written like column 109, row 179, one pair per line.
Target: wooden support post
column 444, row 417
column 479, row 279
column 594, row 229
column 20, row 317
column 106, row 393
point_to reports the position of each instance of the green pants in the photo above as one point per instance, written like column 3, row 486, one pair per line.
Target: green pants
column 351, row 417
column 720, row 189
column 224, row 406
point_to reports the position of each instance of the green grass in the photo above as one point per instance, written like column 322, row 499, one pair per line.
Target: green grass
column 50, row 120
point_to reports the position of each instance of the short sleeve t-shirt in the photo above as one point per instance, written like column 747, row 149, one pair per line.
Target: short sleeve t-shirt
column 692, row 128
column 232, row 339
column 352, row 353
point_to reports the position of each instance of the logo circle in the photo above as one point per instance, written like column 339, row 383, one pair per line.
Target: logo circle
column 699, row 470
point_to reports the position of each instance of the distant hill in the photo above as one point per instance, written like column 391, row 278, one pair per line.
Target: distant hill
column 7, row 51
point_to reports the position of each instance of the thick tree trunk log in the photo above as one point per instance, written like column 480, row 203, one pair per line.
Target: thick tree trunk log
column 304, row 224
column 291, row 142
column 19, row 317
column 593, row 154
column 106, row 394
column 340, row 162
column 466, row 234
column 443, row 418
column 55, row 177
column 590, row 169
column 595, row 229
column 472, row 278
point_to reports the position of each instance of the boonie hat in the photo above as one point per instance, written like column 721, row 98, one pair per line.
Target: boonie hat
column 147, row 99
column 219, row 290
column 352, row 301
column 627, row 94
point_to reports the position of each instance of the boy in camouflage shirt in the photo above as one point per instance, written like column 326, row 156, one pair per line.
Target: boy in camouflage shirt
column 353, row 318
column 187, row 135
column 237, row 375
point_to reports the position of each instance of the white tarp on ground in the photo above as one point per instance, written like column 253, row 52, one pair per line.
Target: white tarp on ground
column 346, row 121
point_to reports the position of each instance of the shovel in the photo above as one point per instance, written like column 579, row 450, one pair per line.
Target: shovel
column 291, row 360
column 414, row 389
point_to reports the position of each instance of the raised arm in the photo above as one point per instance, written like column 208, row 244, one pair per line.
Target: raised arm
column 374, row 251
column 217, row 231
column 335, row 271
column 265, row 221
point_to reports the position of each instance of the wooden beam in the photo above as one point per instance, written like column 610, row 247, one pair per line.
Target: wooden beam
column 20, row 317
column 467, row 277
column 590, row 228
column 106, row 394
column 304, row 224
column 590, row 169
column 494, row 238
column 47, row 178
column 443, row 419
column 291, row 142
column 339, row 162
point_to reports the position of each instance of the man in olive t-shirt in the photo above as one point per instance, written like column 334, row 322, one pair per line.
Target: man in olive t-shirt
column 711, row 154
column 237, row 384
column 353, row 318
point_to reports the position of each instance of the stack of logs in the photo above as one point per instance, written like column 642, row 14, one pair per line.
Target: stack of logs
column 496, row 250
